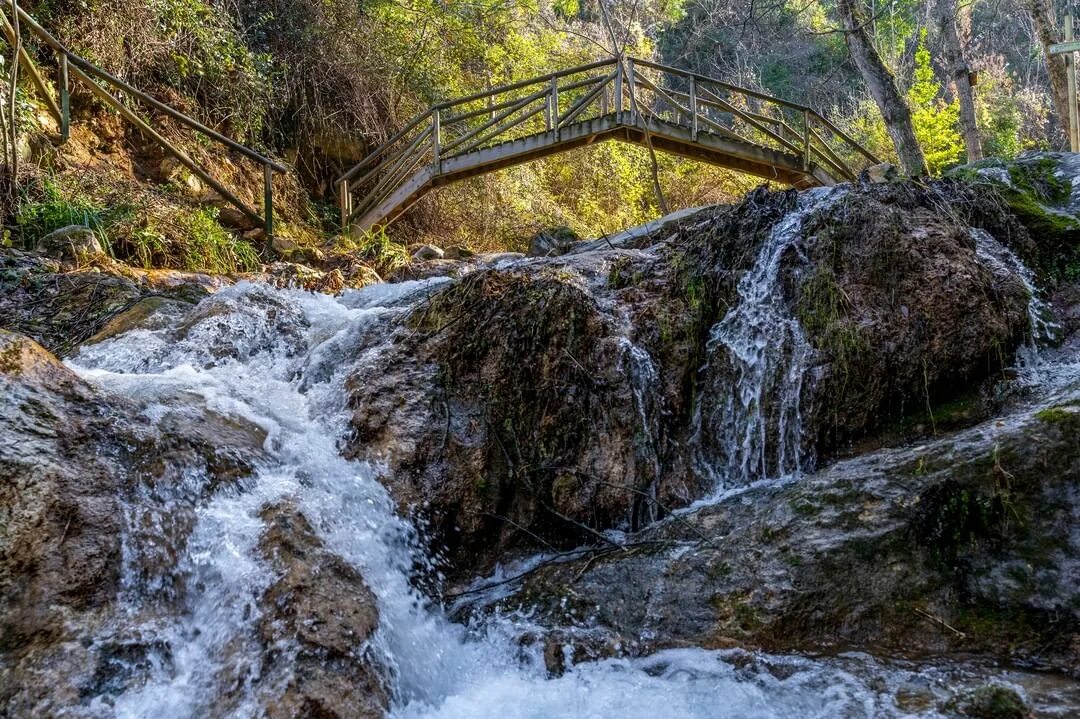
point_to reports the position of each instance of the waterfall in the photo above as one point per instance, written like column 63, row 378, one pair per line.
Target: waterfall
column 279, row 360
column 755, row 431
column 1003, row 262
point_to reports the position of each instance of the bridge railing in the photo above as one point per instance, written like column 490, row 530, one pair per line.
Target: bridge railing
column 109, row 89
column 627, row 91
column 502, row 114
column 703, row 104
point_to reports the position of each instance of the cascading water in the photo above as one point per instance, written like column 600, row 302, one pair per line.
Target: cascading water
column 759, row 348
column 279, row 360
column 1002, row 261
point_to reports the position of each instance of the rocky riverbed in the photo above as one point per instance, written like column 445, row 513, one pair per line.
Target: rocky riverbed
column 815, row 454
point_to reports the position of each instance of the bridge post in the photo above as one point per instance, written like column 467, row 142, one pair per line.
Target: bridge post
column 806, row 141
column 268, row 207
column 619, row 91
column 693, row 109
column 630, row 82
column 345, row 202
column 436, row 140
column 65, row 99
column 553, row 102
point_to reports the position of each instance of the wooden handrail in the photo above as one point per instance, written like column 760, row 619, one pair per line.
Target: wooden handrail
column 88, row 73
column 720, row 83
column 426, row 114
column 522, row 83
column 119, row 84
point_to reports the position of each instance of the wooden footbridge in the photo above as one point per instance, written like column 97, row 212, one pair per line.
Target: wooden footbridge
column 617, row 99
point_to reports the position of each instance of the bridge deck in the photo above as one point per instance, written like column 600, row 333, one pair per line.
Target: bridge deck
column 702, row 123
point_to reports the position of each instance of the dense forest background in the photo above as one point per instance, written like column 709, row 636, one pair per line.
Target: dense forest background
column 320, row 82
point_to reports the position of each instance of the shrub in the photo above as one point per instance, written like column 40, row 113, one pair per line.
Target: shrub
column 54, row 210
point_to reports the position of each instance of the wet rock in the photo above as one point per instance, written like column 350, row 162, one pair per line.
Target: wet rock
column 319, row 620
column 429, row 269
column 61, row 310
column 292, row 275
column 458, row 252
column 905, row 315
column 511, row 409
column 83, row 476
column 149, row 313
column 533, row 403
column 1032, row 204
column 552, row 242
column 76, row 244
column 426, row 253
column 990, row 702
column 961, row 545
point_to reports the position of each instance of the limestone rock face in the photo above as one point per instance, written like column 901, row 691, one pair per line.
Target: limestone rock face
column 534, row 403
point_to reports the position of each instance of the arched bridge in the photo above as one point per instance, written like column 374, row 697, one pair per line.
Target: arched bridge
column 617, row 99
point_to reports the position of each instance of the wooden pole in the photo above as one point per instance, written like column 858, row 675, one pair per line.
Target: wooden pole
column 345, row 201
column 619, row 91
column 554, row 103
column 65, row 99
column 806, row 141
column 31, row 68
column 1070, row 64
column 268, row 207
column 693, row 109
column 436, row 140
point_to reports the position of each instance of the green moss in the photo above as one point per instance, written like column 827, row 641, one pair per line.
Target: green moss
column 1059, row 414
column 1039, row 178
column 991, row 702
column 822, row 309
column 804, row 507
column 10, row 359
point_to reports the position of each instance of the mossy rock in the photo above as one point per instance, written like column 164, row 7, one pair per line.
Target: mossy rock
column 991, row 701
column 1037, row 191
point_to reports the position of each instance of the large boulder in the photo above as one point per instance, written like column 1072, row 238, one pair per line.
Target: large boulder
column 318, row 624
column 908, row 313
column 535, row 404
column 92, row 491
column 77, row 244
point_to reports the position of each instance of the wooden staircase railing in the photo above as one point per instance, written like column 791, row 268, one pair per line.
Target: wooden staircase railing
column 71, row 66
column 628, row 92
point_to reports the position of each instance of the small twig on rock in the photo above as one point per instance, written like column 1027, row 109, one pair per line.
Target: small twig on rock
column 517, row 526
column 941, row 622
column 63, row 535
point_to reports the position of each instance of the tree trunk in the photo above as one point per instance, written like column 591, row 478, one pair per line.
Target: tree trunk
column 882, row 86
column 960, row 74
column 1042, row 16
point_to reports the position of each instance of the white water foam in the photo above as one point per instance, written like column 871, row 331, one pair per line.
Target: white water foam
column 757, row 428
